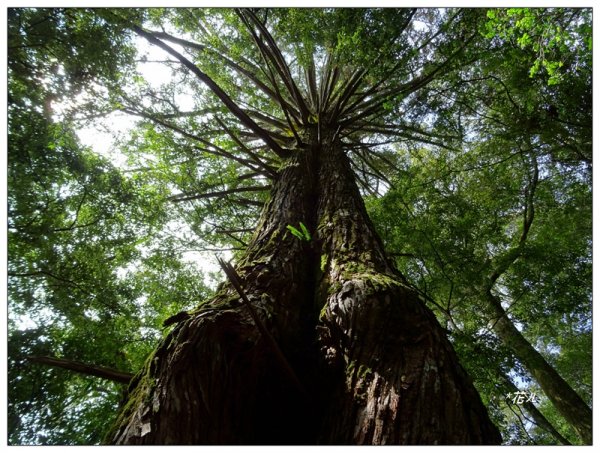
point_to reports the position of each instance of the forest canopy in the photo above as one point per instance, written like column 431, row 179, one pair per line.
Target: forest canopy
column 145, row 143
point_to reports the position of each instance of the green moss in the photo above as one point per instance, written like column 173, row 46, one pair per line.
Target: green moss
column 380, row 282
column 354, row 270
column 140, row 392
column 334, row 288
column 360, row 377
column 364, row 372
column 350, row 366
column 323, row 312
column 324, row 260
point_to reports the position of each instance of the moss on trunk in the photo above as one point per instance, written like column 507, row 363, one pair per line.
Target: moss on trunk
column 373, row 359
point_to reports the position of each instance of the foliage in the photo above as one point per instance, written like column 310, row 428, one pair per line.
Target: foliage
column 84, row 280
column 452, row 216
column 302, row 233
column 559, row 37
column 470, row 137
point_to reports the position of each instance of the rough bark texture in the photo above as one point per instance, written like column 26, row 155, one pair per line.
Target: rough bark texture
column 398, row 378
column 560, row 393
column 375, row 363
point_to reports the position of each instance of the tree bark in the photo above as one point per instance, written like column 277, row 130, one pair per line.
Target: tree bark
column 396, row 377
column 558, row 391
column 375, row 363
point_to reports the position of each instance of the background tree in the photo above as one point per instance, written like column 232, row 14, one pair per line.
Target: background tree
column 417, row 104
column 516, row 210
column 77, row 228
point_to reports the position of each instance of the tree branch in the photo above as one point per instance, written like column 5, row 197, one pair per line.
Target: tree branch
column 270, row 59
column 374, row 105
column 280, row 64
column 505, row 261
column 246, row 150
column 82, row 368
column 232, row 64
column 347, row 91
column 216, row 89
column 186, row 197
column 216, row 152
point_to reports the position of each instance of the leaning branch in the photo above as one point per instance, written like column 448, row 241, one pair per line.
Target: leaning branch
column 374, row 105
column 232, row 64
column 82, row 368
column 216, row 89
column 245, row 149
column 185, row 197
column 234, row 278
column 217, row 151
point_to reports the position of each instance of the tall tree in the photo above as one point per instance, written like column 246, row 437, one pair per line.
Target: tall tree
column 273, row 126
column 334, row 347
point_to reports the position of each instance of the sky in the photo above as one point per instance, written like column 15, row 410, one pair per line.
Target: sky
column 103, row 135
column 100, row 135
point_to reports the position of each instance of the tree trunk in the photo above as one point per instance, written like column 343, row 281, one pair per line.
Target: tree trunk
column 538, row 418
column 558, row 391
column 375, row 366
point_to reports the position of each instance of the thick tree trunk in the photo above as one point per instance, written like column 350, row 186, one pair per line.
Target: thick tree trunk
column 375, row 365
column 558, row 391
column 397, row 379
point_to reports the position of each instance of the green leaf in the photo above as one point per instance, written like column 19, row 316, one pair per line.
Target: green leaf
column 324, row 260
column 305, row 232
column 524, row 40
column 302, row 234
column 296, row 232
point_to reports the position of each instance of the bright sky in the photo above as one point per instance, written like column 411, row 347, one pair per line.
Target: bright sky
column 103, row 134
column 100, row 135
